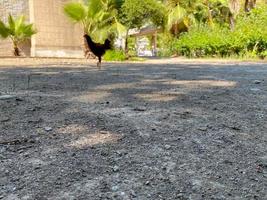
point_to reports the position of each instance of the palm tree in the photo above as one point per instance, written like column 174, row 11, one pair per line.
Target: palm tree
column 183, row 13
column 97, row 17
column 234, row 6
column 17, row 30
column 177, row 19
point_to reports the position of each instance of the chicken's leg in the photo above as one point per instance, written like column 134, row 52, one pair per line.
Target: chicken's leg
column 99, row 62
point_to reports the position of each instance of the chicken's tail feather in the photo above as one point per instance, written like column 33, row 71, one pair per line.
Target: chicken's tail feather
column 107, row 44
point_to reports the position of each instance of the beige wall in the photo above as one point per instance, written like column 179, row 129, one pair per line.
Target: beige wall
column 15, row 8
column 57, row 36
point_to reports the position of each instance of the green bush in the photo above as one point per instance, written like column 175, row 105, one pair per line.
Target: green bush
column 248, row 38
column 114, row 55
column 165, row 43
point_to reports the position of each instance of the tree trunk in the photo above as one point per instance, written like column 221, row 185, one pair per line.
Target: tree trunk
column 175, row 29
column 234, row 6
column 250, row 4
column 246, row 6
column 16, row 50
column 232, row 22
column 210, row 18
column 126, row 49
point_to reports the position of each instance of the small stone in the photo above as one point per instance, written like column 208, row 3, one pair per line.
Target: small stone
column 204, row 128
column 47, row 129
column 147, row 183
column 120, row 153
column 179, row 195
column 168, row 147
column 73, row 154
column 257, row 81
column 263, row 161
column 116, row 168
column 37, row 167
column 140, row 109
column 133, row 194
column 255, row 89
column 115, row 188
column 20, row 151
column 7, row 97
column 103, row 132
column 122, row 194
column 6, row 119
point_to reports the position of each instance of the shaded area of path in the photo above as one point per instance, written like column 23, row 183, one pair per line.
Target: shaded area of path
column 134, row 131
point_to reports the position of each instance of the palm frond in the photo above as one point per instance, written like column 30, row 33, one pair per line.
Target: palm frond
column 76, row 11
column 11, row 25
column 4, row 31
column 176, row 16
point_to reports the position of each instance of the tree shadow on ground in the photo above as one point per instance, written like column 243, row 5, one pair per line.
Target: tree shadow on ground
column 140, row 127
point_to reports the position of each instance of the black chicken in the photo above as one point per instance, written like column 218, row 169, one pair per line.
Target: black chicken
column 98, row 49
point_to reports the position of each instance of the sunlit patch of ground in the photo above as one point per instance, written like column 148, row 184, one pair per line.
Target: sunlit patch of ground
column 73, row 129
column 116, row 86
column 36, row 73
column 172, row 132
column 95, row 139
column 159, row 96
column 92, row 97
column 153, row 81
column 202, row 83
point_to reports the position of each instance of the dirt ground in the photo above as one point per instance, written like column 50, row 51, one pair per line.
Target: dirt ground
column 142, row 131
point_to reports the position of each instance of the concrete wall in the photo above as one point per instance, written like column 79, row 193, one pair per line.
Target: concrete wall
column 15, row 8
column 57, row 36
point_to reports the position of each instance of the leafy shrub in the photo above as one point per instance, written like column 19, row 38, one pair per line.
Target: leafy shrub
column 202, row 41
column 248, row 38
column 115, row 55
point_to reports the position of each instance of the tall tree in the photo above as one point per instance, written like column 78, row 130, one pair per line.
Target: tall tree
column 98, row 19
column 136, row 13
column 234, row 6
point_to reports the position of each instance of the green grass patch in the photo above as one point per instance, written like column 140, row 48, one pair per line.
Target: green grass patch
column 248, row 40
column 115, row 55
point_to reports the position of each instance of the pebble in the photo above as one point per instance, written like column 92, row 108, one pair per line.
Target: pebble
column 115, row 188
column 48, row 128
column 140, row 109
column 257, row 81
column 179, row 195
column 6, row 97
column 133, row 194
column 147, row 183
column 5, row 119
column 263, row 161
column 103, row 132
column 168, row 147
column 116, row 168
column 204, row 128
column 255, row 89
